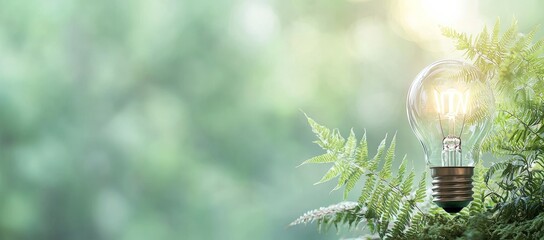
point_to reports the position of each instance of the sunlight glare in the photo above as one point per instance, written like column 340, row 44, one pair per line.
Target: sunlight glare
column 258, row 20
column 420, row 20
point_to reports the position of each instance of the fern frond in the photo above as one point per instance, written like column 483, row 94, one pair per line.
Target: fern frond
column 400, row 174
column 349, row 153
column 478, row 204
column 406, row 186
column 367, row 189
column 362, row 152
column 323, row 158
column 373, row 164
column 402, row 221
column 338, row 168
column 340, row 212
column 361, row 160
column 508, row 36
column 414, row 230
column 421, row 189
column 350, row 147
column 389, row 156
column 495, row 34
column 388, row 200
column 327, row 139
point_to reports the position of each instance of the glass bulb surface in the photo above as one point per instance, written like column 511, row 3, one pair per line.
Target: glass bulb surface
column 450, row 107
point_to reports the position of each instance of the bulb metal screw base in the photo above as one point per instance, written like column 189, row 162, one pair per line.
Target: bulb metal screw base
column 452, row 187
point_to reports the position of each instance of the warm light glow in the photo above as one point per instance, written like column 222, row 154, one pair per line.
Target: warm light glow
column 445, row 12
column 451, row 102
column 258, row 20
column 420, row 20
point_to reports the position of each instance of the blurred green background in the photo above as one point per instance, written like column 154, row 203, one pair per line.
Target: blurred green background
column 164, row 119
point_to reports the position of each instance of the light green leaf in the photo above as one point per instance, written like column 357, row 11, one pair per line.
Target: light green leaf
column 390, row 155
column 422, row 188
column 362, row 152
column 333, row 172
column 352, row 180
column 350, row 146
column 400, row 174
column 406, row 186
column 323, row 158
column 373, row 165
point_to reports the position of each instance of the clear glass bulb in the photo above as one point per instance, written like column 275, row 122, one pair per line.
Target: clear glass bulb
column 450, row 108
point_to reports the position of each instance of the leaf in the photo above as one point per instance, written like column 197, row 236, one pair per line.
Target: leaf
column 333, row 172
column 390, row 155
column 421, row 189
column 495, row 34
column 400, row 173
column 348, row 209
column 402, row 221
column 323, row 158
column 373, row 165
column 362, row 153
column 367, row 189
column 327, row 139
column 344, row 176
column 350, row 146
column 406, row 186
column 352, row 180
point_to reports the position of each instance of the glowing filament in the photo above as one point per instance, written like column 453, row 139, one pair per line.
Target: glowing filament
column 451, row 102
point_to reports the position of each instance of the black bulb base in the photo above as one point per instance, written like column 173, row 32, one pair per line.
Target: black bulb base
column 452, row 187
column 452, row 207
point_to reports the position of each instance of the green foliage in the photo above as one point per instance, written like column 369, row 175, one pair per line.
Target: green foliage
column 530, row 229
column 484, row 225
column 515, row 67
column 509, row 195
column 387, row 202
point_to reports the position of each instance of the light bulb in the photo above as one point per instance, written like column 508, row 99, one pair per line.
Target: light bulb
column 450, row 107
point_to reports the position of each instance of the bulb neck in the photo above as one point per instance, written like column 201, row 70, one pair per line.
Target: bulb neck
column 452, row 187
column 451, row 151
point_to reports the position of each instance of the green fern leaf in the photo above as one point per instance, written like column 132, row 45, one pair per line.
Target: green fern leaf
column 350, row 146
column 373, row 165
column 508, row 37
column 385, row 173
column 402, row 221
column 376, row 194
column 367, row 189
column 421, row 189
column 327, row 139
column 406, row 186
column 334, row 171
column 495, row 34
column 414, row 230
column 346, row 173
column 349, row 153
column 361, row 159
column 323, row 134
column 400, row 174
column 362, row 152
column 324, row 158
column 351, row 182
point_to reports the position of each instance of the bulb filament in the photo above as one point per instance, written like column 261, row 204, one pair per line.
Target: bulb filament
column 450, row 104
